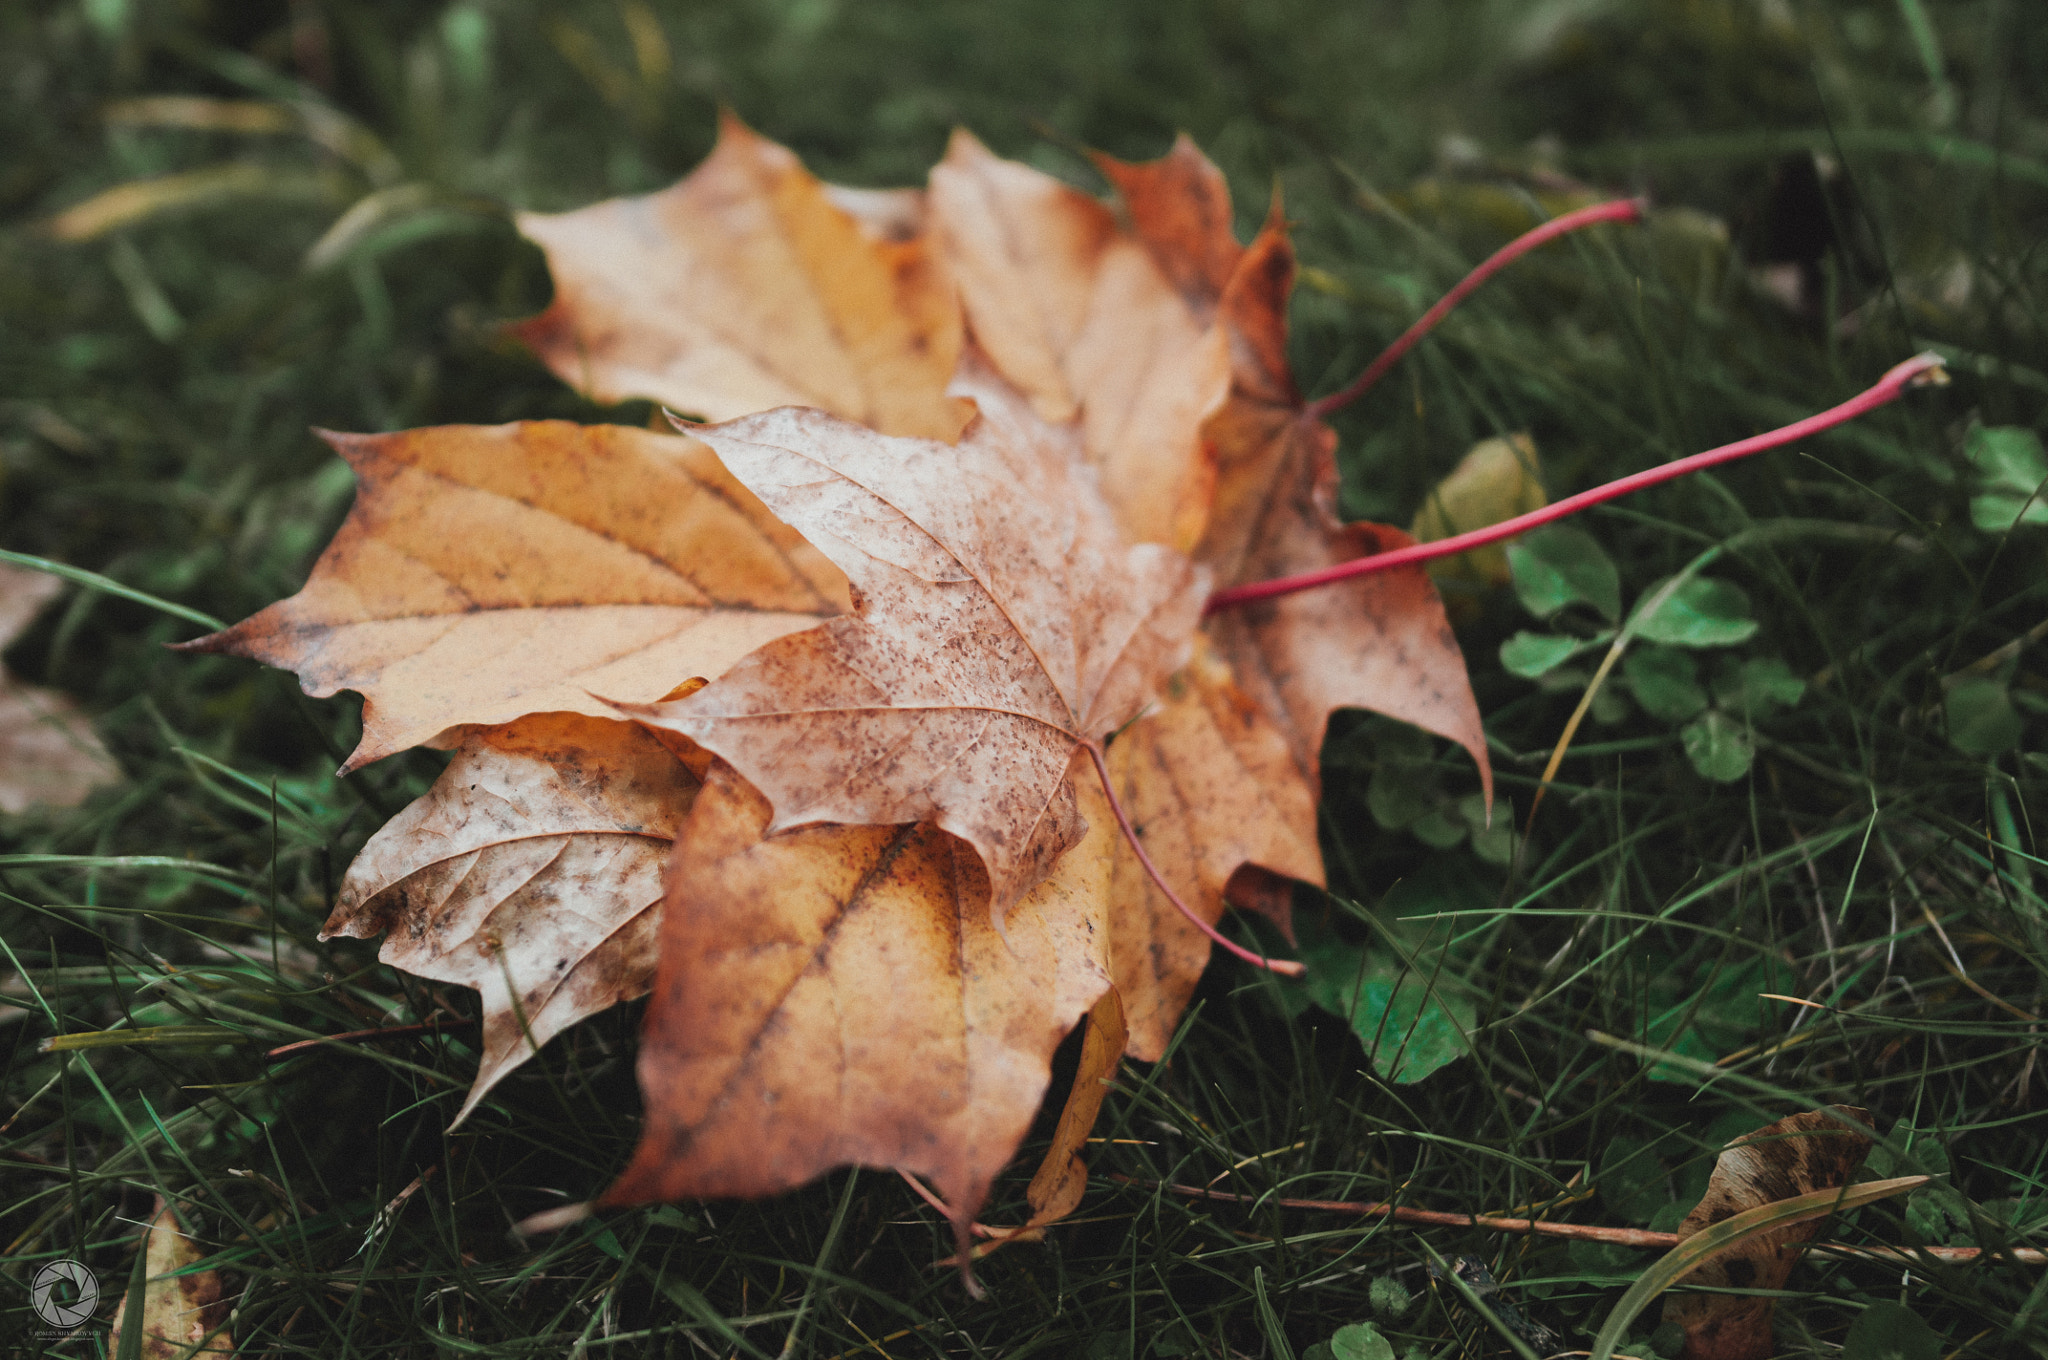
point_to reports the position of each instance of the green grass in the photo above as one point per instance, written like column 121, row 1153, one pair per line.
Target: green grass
column 156, row 388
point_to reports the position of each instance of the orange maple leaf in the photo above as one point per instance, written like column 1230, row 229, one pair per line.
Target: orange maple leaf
column 1272, row 673
column 750, row 285
column 1030, row 582
column 1380, row 642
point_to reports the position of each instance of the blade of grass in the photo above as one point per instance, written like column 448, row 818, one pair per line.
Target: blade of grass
column 92, row 580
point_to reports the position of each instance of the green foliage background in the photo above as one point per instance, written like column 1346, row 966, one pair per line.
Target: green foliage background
column 1838, row 186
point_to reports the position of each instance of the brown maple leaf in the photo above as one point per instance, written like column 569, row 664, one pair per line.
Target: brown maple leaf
column 839, row 994
column 485, row 573
column 751, row 284
column 497, row 575
column 1076, row 313
column 1253, row 713
column 1019, row 596
column 531, row 872
column 1001, row 622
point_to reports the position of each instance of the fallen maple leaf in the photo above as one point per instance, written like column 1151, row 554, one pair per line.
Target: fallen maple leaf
column 1020, row 598
column 1084, row 320
column 1278, row 668
column 531, row 872
column 485, row 573
column 1380, row 642
column 490, row 574
column 49, row 754
column 751, row 284
column 1000, row 624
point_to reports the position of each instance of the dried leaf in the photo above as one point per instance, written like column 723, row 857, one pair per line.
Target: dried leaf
column 1378, row 642
column 750, row 285
column 23, row 593
column 488, row 572
column 837, row 994
column 1000, row 622
column 531, row 871
column 1381, row 642
column 1729, row 1235
column 1180, row 209
column 1080, row 317
column 49, row 754
column 1795, row 1156
column 180, row 1313
column 1212, row 789
column 1497, row 479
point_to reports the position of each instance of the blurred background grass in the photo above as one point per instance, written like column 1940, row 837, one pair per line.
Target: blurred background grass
column 1838, row 185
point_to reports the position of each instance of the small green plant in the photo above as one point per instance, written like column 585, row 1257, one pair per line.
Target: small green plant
column 1565, row 578
column 2011, row 478
column 1409, row 791
column 1353, row 1341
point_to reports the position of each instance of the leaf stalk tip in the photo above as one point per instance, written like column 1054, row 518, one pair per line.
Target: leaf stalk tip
column 1628, row 210
column 1922, row 370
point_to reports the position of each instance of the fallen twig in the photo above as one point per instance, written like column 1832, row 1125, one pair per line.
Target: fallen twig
column 1583, row 1232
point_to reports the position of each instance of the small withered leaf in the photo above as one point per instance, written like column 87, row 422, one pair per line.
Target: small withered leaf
column 1797, row 1155
column 184, row 1315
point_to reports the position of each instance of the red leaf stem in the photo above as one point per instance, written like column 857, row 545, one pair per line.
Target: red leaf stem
column 1615, row 210
column 1919, row 371
column 1284, row 967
